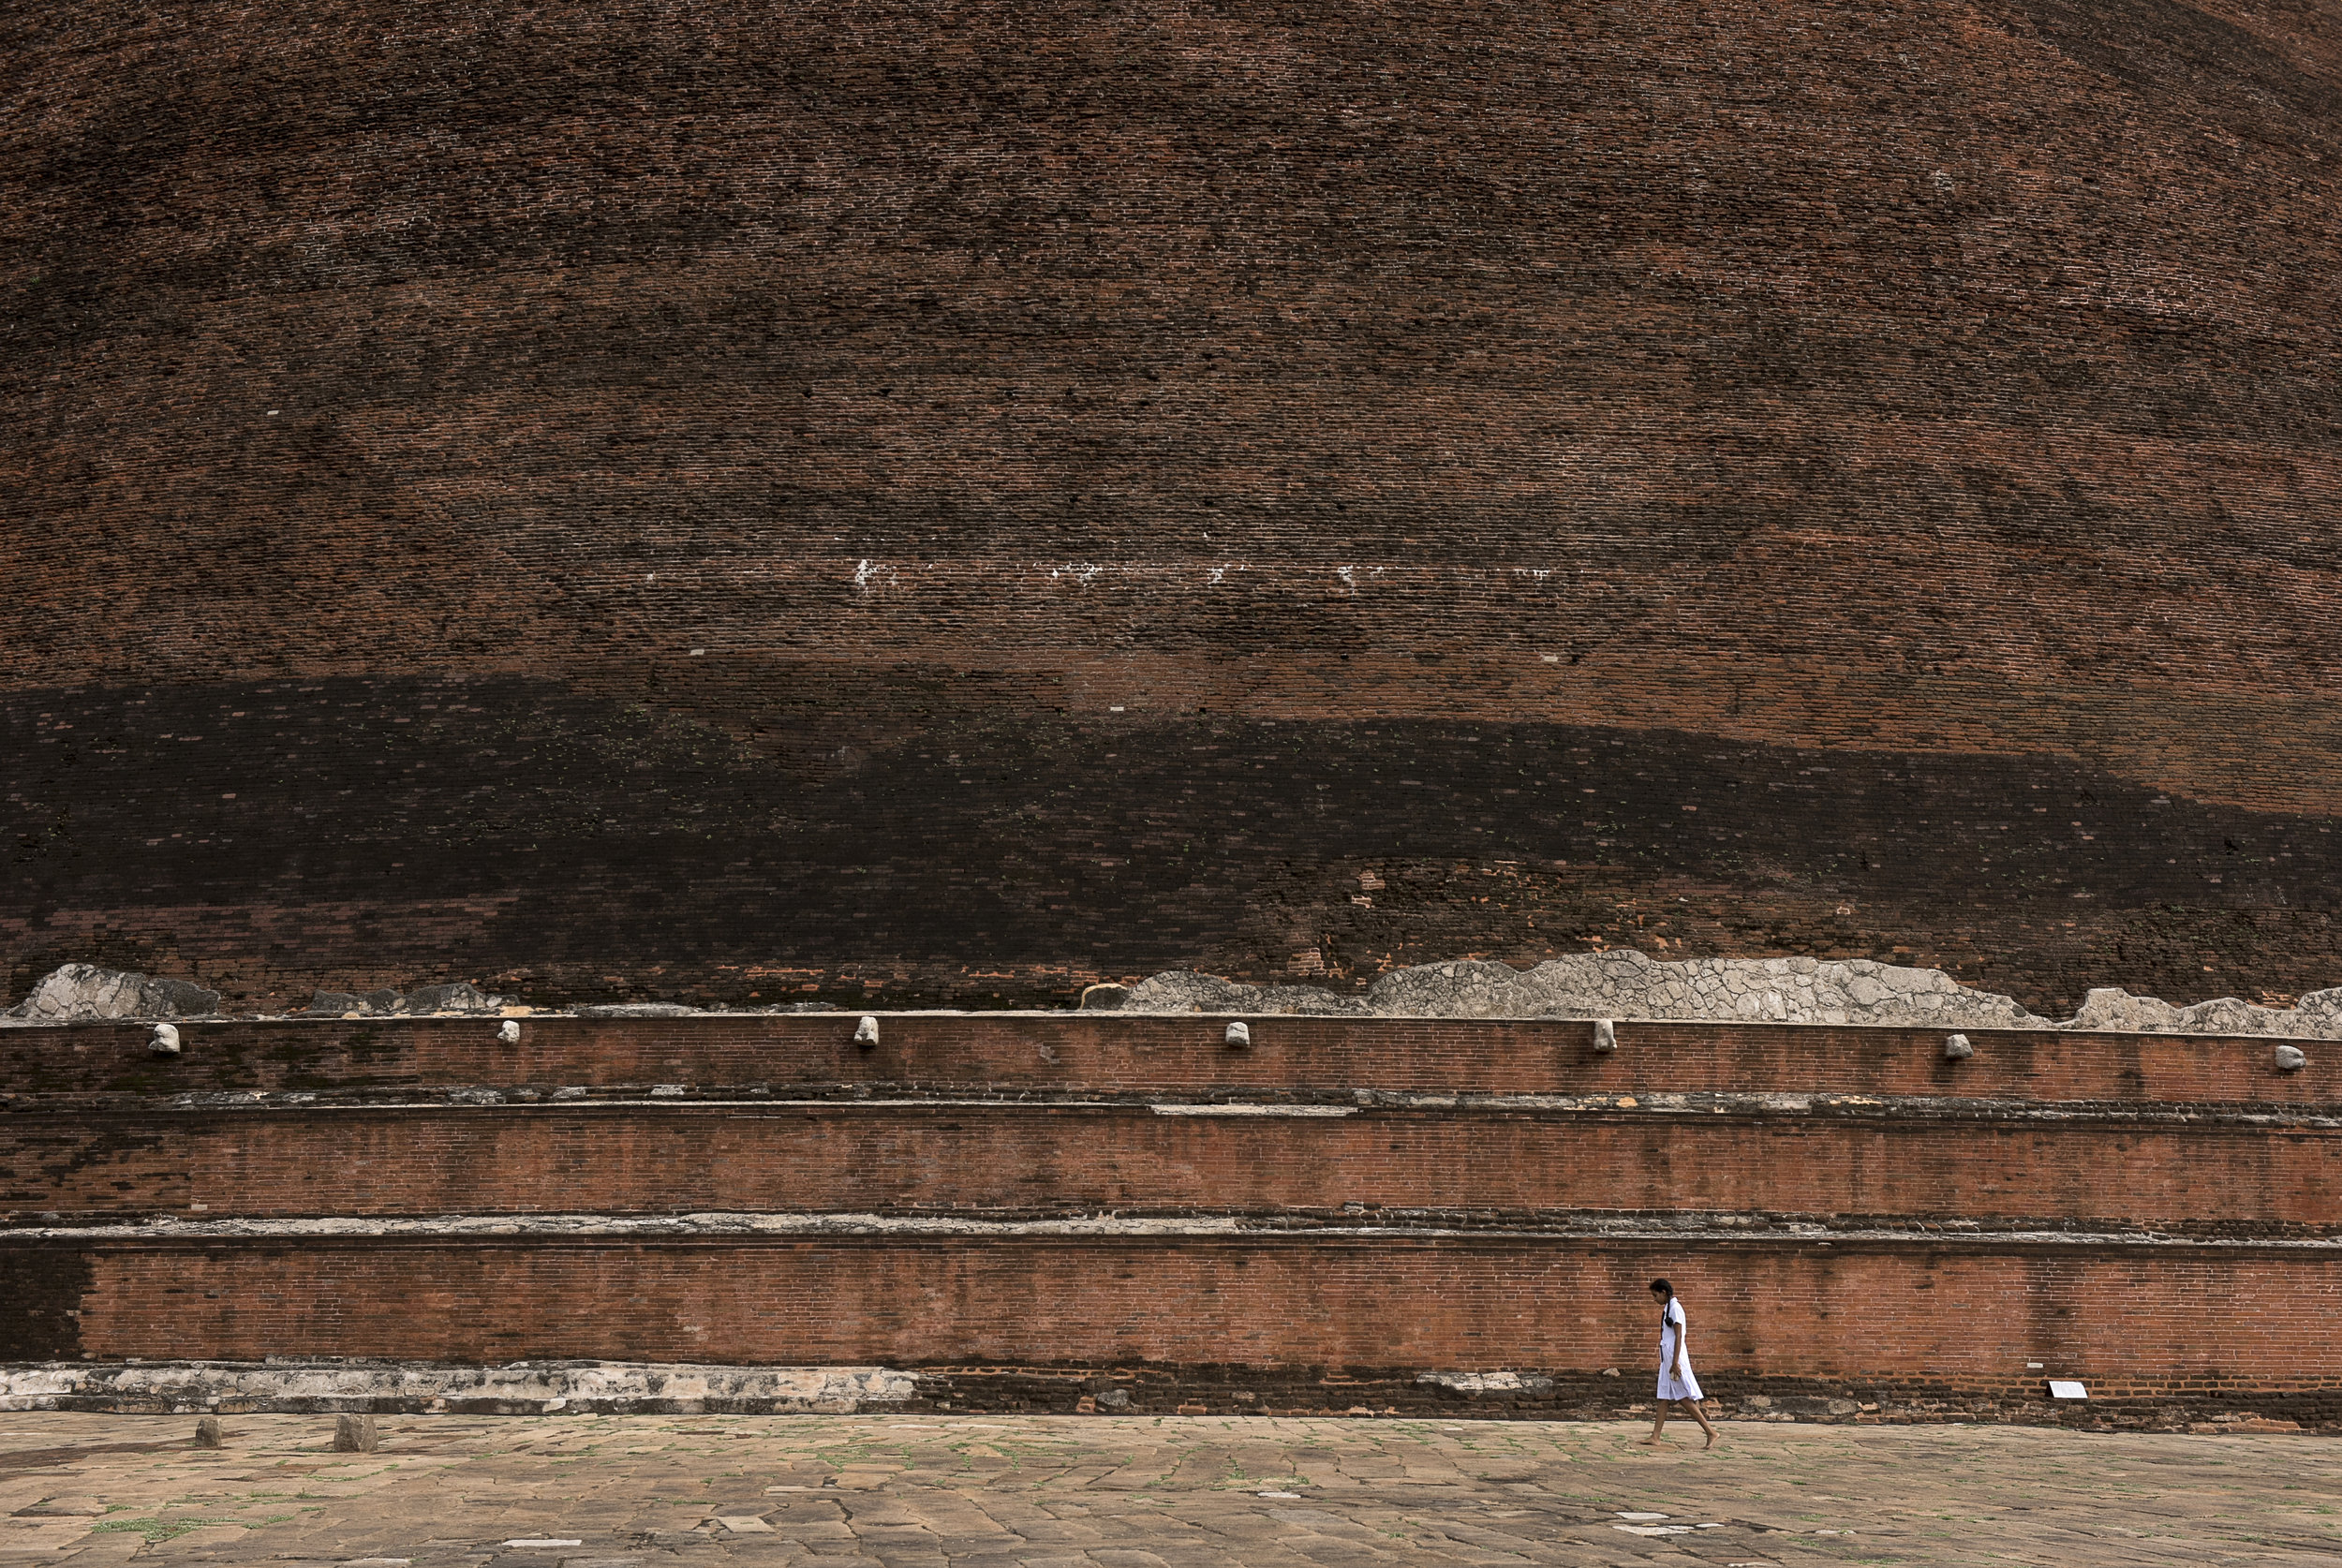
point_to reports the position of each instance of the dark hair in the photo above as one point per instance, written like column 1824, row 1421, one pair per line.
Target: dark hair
column 1662, row 1286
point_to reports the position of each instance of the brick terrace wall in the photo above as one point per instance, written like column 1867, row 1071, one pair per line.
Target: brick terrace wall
column 2235, row 1164
column 1031, row 1159
column 1136, row 1055
column 942, row 503
column 2150, row 1320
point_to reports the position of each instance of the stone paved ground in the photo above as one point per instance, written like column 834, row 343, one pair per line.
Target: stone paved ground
column 1146, row 1492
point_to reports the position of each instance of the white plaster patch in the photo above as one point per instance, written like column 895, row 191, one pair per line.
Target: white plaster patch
column 1254, row 1110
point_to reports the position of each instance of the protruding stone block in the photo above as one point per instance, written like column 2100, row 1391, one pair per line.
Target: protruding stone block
column 866, row 1032
column 165, row 1040
column 355, row 1434
column 207, row 1432
column 1605, row 1035
column 1239, row 1036
column 1956, row 1049
column 2291, row 1058
column 510, row 1031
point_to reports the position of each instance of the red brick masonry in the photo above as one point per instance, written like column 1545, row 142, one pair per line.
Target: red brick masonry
column 1009, row 1160
column 620, row 499
column 2134, row 1319
column 1011, row 1053
column 2159, row 1216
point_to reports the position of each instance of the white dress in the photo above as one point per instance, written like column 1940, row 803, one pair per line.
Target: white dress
column 1671, row 1325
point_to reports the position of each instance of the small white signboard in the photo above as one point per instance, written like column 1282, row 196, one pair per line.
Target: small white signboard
column 2062, row 1389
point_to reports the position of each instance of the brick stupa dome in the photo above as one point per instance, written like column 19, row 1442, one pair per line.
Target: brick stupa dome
column 949, row 503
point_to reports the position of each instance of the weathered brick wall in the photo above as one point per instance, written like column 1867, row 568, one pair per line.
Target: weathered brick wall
column 948, row 502
column 1022, row 1204
column 2115, row 1171
column 1006, row 1054
column 2151, row 1320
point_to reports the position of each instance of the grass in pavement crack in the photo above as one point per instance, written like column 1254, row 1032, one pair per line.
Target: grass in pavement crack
column 157, row 1531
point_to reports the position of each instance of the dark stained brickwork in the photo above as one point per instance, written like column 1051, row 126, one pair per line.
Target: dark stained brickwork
column 508, row 832
column 944, row 503
column 41, row 1290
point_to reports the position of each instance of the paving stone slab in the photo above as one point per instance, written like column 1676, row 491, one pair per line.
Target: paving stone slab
column 1025, row 1492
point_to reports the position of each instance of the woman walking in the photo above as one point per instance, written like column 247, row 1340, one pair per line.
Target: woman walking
column 1676, row 1382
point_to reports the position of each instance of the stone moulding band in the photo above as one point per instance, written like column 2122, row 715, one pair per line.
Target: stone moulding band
column 354, row 1387
column 513, row 1232
column 548, row 1388
column 1706, row 1108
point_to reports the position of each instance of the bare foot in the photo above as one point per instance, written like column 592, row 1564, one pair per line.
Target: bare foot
column 1651, row 1441
column 1709, row 1443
